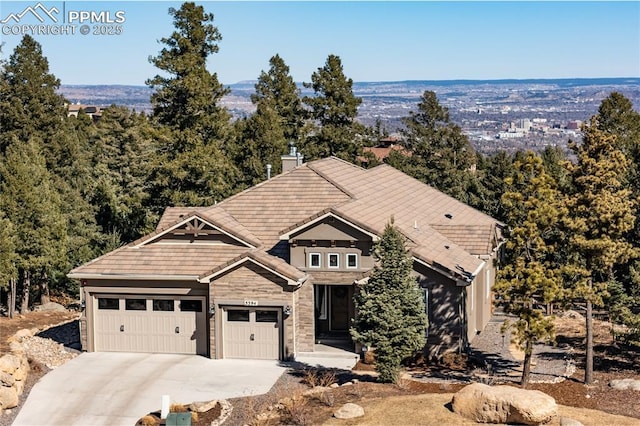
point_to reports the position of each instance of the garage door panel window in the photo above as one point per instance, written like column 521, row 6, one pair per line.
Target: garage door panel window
column 267, row 316
column 135, row 304
column 163, row 305
column 191, row 305
column 238, row 315
column 108, row 303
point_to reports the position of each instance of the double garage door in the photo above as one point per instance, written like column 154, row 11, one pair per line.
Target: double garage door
column 253, row 333
column 174, row 325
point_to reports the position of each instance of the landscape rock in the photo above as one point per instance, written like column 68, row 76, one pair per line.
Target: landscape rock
column 50, row 307
column 334, row 385
column 504, row 404
column 9, row 363
column 16, row 348
column 566, row 421
column 21, row 334
column 572, row 314
column 349, row 411
column 8, row 398
column 6, row 379
column 202, row 406
column 625, row 384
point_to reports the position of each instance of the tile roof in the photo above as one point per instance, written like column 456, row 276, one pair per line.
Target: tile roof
column 442, row 231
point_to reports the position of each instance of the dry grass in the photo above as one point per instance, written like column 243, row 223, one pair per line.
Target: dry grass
column 432, row 409
column 317, row 377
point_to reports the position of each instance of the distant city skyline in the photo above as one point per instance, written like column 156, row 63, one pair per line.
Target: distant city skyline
column 377, row 41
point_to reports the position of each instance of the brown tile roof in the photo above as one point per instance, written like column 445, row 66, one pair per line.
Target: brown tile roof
column 275, row 204
column 189, row 260
column 382, row 152
column 443, row 232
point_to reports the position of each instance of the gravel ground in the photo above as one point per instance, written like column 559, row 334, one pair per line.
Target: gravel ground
column 550, row 364
column 44, row 354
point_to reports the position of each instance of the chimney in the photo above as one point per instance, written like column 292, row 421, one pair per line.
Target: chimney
column 291, row 160
column 268, row 171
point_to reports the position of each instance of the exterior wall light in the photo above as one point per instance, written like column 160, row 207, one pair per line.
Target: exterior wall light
column 212, row 310
column 287, row 310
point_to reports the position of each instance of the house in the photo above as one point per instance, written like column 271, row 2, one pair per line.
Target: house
column 271, row 272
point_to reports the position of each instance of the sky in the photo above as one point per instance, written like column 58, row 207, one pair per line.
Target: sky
column 376, row 41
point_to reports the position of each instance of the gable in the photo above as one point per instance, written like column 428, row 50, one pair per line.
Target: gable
column 193, row 229
column 332, row 229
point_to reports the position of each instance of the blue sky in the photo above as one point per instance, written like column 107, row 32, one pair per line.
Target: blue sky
column 377, row 41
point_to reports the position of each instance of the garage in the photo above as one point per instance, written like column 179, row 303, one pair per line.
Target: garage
column 156, row 324
column 253, row 333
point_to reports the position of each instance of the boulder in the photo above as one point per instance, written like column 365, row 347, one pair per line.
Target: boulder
column 504, row 404
column 16, row 348
column 9, row 363
column 202, row 406
column 315, row 390
column 21, row 334
column 6, row 379
column 349, row 411
column 625, row 384
column 50, row 307
column 8, row 398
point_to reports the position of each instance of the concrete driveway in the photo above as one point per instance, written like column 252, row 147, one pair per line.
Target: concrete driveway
column 119, row 388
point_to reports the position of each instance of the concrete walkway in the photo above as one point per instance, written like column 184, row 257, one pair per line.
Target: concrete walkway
column 119, row 388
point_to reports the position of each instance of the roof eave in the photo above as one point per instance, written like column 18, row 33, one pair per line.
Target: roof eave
column 138, row 277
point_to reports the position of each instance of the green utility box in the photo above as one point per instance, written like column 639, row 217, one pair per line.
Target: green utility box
column 178, row 419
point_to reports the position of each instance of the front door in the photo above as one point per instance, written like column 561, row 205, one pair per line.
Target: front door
column 339, row 308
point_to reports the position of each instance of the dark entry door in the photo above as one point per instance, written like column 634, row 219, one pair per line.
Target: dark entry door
column 339, row 308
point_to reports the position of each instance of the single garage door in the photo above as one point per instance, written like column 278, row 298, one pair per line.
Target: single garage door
column 252, row 333
column 175, row 325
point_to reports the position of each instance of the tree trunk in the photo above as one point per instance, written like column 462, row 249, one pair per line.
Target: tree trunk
column 26, row 286
column 588, row 365
column 526, row 367
column 44, row 288
column 11, row 299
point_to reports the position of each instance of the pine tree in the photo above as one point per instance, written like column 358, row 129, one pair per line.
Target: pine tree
column 29, row 104
column 602, row 213
column 334, row 109
column 191, row 165
column 276, row 90
column 530, row 275
column 32, row 204
column 390, row 309
column 441, row 155
column 262, row 142
column 617, row 117
column 121, row 150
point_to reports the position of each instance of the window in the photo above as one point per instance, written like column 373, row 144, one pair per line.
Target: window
column 238, row 315
column 191, row 305
column 108, row 303
column 266, row 316
column 334, row 261
column 135, row 304
column 352, row 260
column 314, row 260
column 163, row 305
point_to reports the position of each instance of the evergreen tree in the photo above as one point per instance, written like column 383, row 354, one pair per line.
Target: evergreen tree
column 334, row 109
column 601, row 214
column 277, row 91
column 31, row 203
column 7, row 251
column 530, row 275
column 188, row 98
column 494, row 170
column 122, row 148
column 390, row 309
column 441, row 155
column 262, row 142
column 29, row 104
column 192, row 166
column 617, row 117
